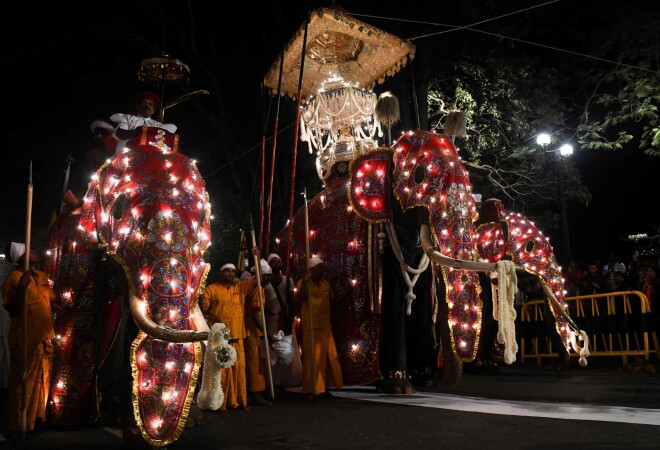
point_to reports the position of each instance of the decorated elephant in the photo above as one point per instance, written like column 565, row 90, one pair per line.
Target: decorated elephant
column 137, row 246
column 398, row 229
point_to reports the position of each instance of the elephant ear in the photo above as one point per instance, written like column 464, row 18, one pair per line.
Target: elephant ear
column 369, row 186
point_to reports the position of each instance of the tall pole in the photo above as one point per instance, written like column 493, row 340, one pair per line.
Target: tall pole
column 263, row 186
column 26, row 267
column 309, row 295
column 69, row 160
column 566, row 241
column 272, row 159
column 257, row 269
column 295, row 151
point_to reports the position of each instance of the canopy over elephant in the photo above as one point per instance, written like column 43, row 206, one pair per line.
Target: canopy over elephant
column 146, row 217
column 397, row 228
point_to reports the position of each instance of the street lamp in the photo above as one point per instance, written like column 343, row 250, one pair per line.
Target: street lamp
column 565, row 150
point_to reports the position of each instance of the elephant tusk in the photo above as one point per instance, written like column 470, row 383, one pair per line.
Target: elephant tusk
column 436, row 256
column 552, row 299
column 198, row 319
column 160, row 332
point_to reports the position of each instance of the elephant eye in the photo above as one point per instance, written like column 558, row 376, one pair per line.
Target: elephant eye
column 119, row 206
column 529, row 246
column 420, row 173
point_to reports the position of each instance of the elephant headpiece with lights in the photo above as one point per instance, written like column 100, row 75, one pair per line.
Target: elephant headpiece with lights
column 147, row 213
column 398, row 230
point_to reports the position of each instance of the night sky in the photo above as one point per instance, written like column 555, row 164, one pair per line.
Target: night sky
column 64, row 68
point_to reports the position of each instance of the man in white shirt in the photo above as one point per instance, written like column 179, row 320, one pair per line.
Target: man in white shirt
column 147, row 104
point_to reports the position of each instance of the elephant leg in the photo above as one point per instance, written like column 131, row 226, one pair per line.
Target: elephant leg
column 451, row 369
column 561, row 362
column 421, row 351
column 195, row 416
column 396, row 379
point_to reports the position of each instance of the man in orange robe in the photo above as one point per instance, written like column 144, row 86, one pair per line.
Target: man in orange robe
column 223, row 302
column 38, row 334
column 320, row 362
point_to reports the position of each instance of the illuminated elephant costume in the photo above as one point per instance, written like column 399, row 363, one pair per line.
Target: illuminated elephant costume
column 379, row 311
column 148, row 211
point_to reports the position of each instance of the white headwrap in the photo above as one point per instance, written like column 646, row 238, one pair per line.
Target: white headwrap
column 227, row 266
column 265, row 268
column 273, row 255
column 100, row 123
column 315, row 261
column 16, row 250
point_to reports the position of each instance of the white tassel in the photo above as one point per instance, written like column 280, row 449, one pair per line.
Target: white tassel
column 381, row 238
column 582, row 351
column 506, row 313
column 409, row 299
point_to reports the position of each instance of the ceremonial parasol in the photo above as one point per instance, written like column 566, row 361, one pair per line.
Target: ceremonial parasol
column 333, row 61
column 338, row 45
column 164, row 70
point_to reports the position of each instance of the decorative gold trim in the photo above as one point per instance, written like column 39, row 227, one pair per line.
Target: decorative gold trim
column 370, row 266
column 186, row 405
column 479, row 322
column 143, row 135
column 202, row 285
column 379, row 267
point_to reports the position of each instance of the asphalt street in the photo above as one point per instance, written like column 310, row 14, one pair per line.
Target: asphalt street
column 521, row 406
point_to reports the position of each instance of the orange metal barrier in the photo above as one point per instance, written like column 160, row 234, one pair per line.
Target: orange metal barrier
column 617, row 323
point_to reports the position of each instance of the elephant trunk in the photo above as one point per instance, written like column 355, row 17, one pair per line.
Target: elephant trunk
column 149, row 327
column 436, row 256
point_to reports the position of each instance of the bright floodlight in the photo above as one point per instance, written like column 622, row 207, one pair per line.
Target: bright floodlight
column 566, row 150
column 543, row 139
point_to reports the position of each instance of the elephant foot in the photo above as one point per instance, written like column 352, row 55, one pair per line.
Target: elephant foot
column 482, row 367
column 562, row 362
column 422, row 378
column 132, row 438
column 195, row 416
column 397, row 383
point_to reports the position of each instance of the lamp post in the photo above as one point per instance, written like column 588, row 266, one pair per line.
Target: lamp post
column 565, row 150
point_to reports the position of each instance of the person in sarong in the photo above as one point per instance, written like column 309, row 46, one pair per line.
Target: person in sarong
column 279, row 307
column 321, row 367
column 31, row 285
column 223, row 302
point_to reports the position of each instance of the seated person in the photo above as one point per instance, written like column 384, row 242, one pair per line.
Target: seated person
column 146, row 105
column 106, row 143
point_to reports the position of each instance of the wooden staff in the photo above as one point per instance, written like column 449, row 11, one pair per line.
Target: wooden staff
column 242, row 253
column 272, row 158
column 263, row 186
column 69, row 160
column 26, row 267
column 309, row 294
column 295, row 150
column 257, row 271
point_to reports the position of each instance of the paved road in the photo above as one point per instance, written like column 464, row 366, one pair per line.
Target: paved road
column 521, row 407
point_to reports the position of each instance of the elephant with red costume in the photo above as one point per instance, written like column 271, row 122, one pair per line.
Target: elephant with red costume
column 401, row 236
